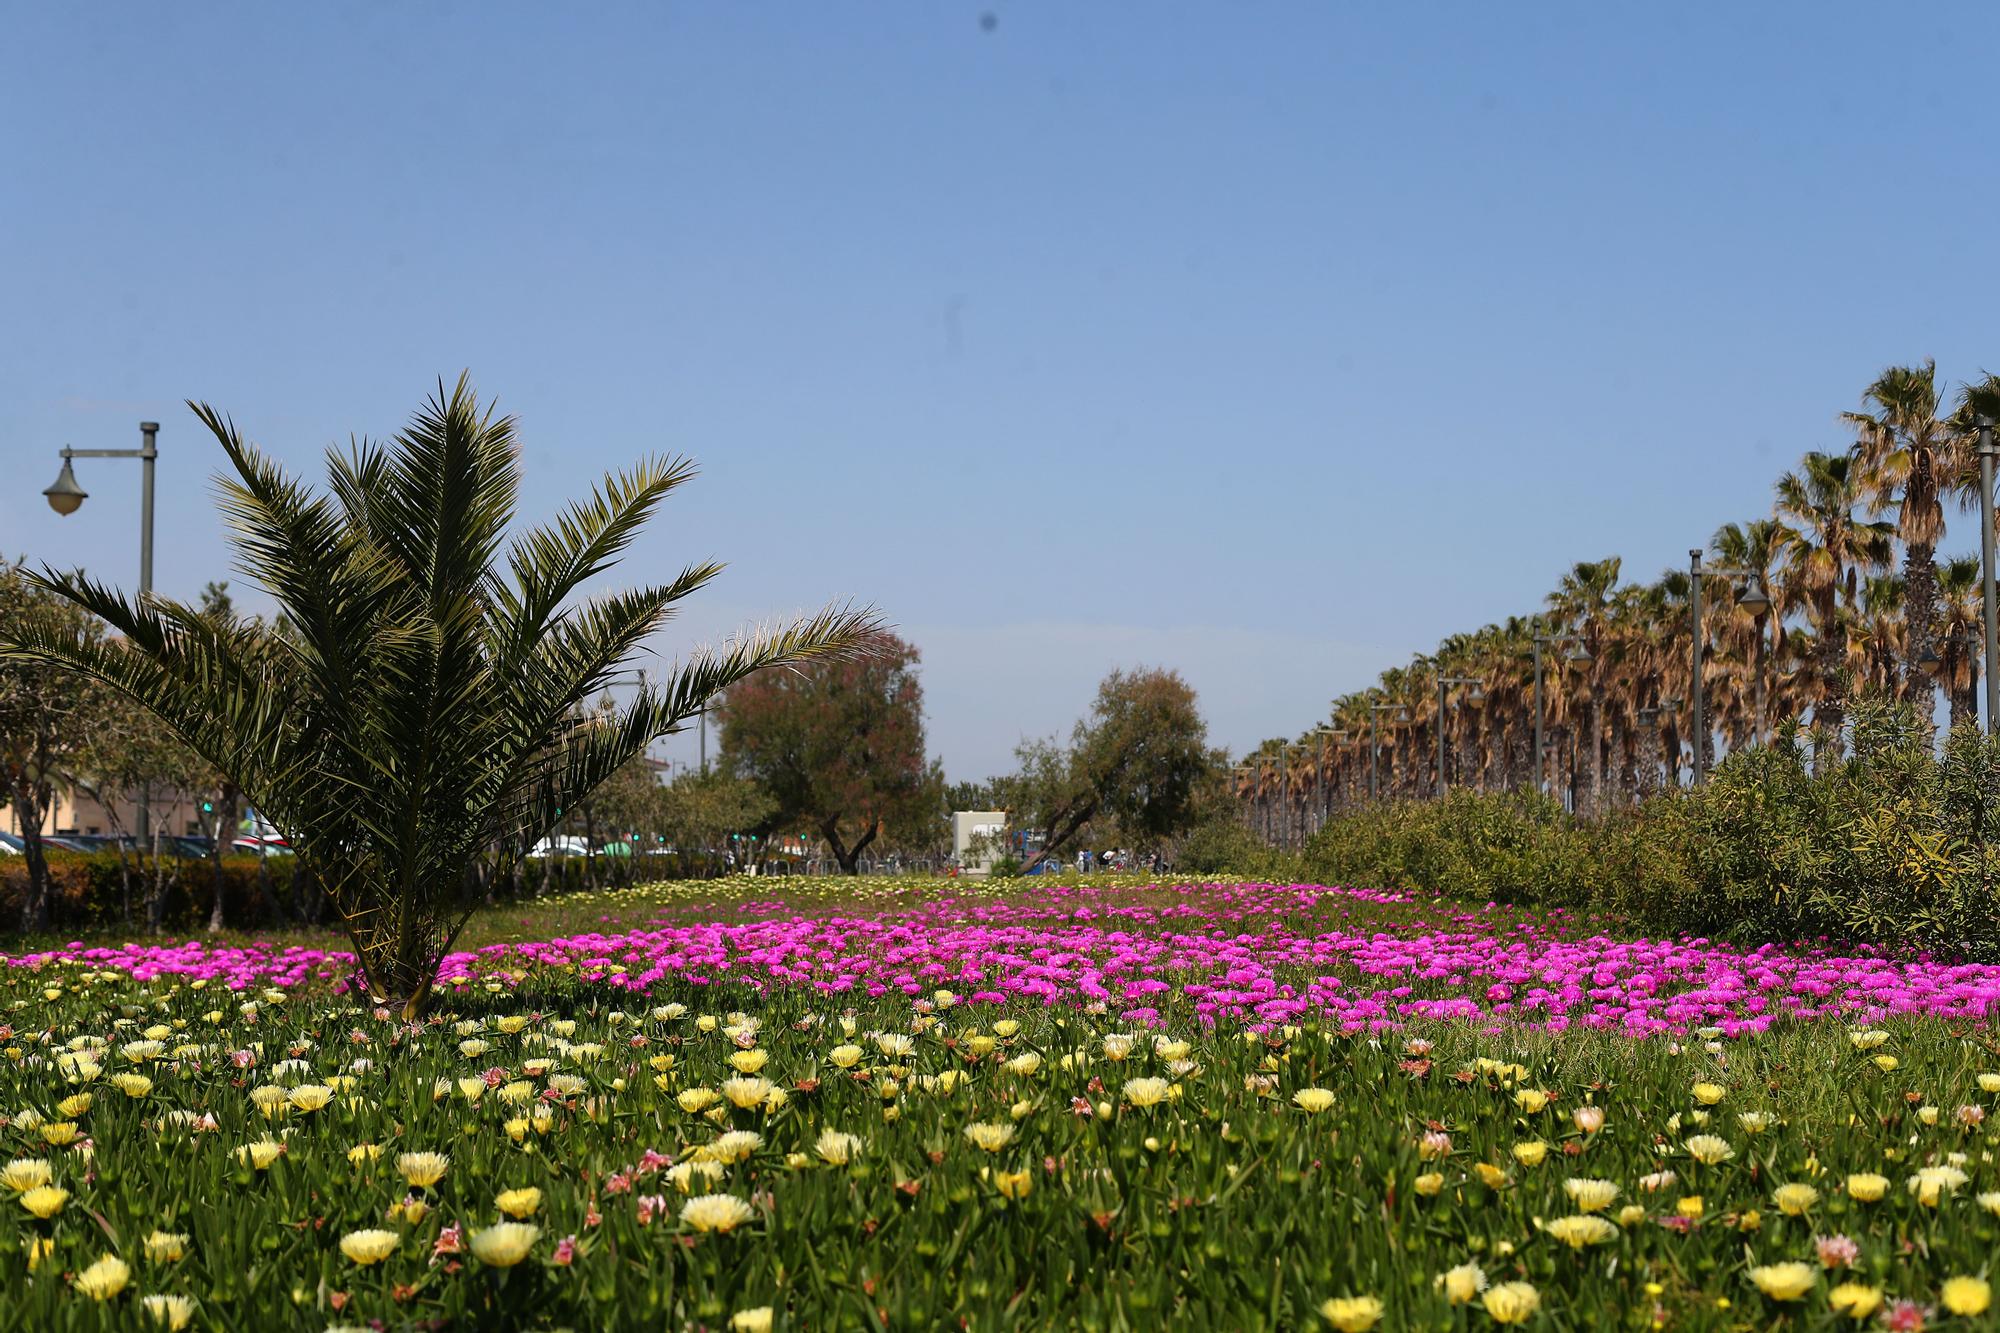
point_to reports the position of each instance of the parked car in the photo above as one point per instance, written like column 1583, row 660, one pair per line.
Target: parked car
column 566, row 845
column 272, row 846
column 10, row 845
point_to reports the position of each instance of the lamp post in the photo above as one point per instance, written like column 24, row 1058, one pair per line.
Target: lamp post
column 1477, row 695
column 1754, row 599
column 65, row 496
column 1987, row 455
column 1374, row 745
column 1577, row 654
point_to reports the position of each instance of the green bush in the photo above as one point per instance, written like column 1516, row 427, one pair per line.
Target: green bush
column 1892, row 844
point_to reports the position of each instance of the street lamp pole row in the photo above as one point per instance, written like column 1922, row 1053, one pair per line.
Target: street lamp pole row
column 66, row 497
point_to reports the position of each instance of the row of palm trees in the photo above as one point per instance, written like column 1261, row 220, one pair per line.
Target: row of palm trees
column 1842, row 592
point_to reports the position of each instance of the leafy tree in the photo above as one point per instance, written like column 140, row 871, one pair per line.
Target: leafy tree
column 132, row 756
column 838, row 745
column 1139, row 761
column 48, row 718
column 423, row 705
column 698, row 812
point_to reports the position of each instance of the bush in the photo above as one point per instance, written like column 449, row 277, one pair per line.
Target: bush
column 1007, row 867
column 1893, row 844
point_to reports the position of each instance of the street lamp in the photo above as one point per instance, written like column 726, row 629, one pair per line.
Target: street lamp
column 1753, row 598
column 1987, row 455
column 1478, row 695
column 66, row 496
column 1577, row 655
column 1374, row 746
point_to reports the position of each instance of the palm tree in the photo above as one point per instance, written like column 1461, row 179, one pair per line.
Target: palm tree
column 1961, row 627
column 429, row 705
column 1907, row 454
column 1825, row 549
column 1753, row 546
column 1582, row 603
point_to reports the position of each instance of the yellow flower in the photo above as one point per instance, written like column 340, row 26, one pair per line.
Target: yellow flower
column 1531, row 1153
column 59, row 1133
column 423, row 1169
column 1867, row 1186
column 371, row 1246
column 846, row 1055
column 1313, row 1100
column 1989, row 1200
column 681, row 1174
column 39, row 1248
column 744, row 1093
column 1007, row 1027
column 1754, row 1122
column 1784, row 1282
column 1118, row 1045
column 1593, row 1196
column 519, row 1203
column 1490, row 1175
column 1146, row 1092
column 1794, row 1200
column 1708, row 1094
column 1989, row 1082
column 1709, row 1150
column 696, row 1100
column 1024, row 1064
column 166, row 1247
column 1690, row 1207
column 132, row 1085
column 173, row 1312
column 1934, row 1182
column 716, row 1212
column 837, row 1148
column 1462, row 1284
column 1512, row 1302
column 1013, row 1184
column 750, row 1061
column 1854, row 1300
column 1531, row 1100
column 1928, row 1114
column 311, row 1096
column 75, row 1107
column 735, row 1146
column 104, row 1279
column 45, row 1201
column 1631, row 1215
column 751, row 1321
column 1869, row 1040
column 992, row 1138
column 25, row 1173
column 1887, row 1063
column 472, row 1089
column 1352, row 1314
column 505, row 1244
column 1429, row 1184
column 1581, row 1229
column 1966, row 1295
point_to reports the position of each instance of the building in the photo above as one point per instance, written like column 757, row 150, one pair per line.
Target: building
column 75, row 811
column 978, row 838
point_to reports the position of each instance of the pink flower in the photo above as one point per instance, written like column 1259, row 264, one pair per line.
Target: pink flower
column 650, row 1161
column 1904, row 1316
column 649, row 1205
column 565, row 1251
column 1836, row 1251
column 451, row 1240
column 494, row 1077
column 618, row 1182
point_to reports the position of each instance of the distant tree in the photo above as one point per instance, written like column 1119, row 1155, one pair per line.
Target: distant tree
column 131, row 758
column 420, row 709
column 699, row 811
column 969, row 796
column 48, row 718
column 1138, row 761
column 839, row 745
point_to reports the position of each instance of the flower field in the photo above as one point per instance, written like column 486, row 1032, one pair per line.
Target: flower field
column 910, row 1105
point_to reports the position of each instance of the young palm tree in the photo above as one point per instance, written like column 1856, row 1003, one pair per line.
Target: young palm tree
column 427, row 706
column 1961, row 627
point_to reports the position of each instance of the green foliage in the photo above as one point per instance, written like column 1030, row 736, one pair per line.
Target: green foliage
column 1007, row 867
column 426, row 705
column 1891, row 845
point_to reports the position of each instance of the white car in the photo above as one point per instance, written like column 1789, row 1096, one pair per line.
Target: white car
column 568, row 845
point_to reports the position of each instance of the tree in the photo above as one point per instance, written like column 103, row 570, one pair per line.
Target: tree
column 699, row 811
column 838, row 745
column 1825, row 550
column 48, row 718
column 423, row 705
column 1907, row 455
column 132, row 756
column 1137, row 759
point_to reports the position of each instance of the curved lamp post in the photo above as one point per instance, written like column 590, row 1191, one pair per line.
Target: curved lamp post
column 66, row 496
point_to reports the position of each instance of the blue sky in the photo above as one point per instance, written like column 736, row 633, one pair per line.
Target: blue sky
column 1269, row 342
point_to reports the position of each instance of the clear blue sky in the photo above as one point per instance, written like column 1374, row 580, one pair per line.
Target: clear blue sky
column 1269, row 342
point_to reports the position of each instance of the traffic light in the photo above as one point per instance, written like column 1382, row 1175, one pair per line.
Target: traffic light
column 208, row 807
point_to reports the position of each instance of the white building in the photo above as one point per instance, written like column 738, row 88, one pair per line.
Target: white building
column 976, row 841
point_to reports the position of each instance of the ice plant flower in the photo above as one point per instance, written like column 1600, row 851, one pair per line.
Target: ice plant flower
column 1794, row 1200
column 166, row 1247
column 1592, row 1196
column 1867, row 1187
column 45, row 1201
column 836, row 1148
column 1966, row 1295
column 519, row 1203
column 716, row 1212
column 1589, row 1119
column 25, row 1173
column 1013, row 1184
column 170, row 1312
column 757, row 1320
column 1581, row 1229
column 991, row 1138
column 1512, row 1302
column 104, row 1279
column 1708, row 1094
column 1709, row 1150
column 1462, row 1285
column 370, row 1246
column 1313, row 1100
column 422, row 1169
column 1352, row 1314
column 1146, row 1092
column 504, row 1244
column 1855, row 1300
column 1784, row 1282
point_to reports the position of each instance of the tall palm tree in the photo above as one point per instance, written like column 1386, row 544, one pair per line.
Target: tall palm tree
column 1961, row 627
column 1907, row 454
column 1826, row 547
column 1582, row 602
column 1752, row 546
column 429, row 704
